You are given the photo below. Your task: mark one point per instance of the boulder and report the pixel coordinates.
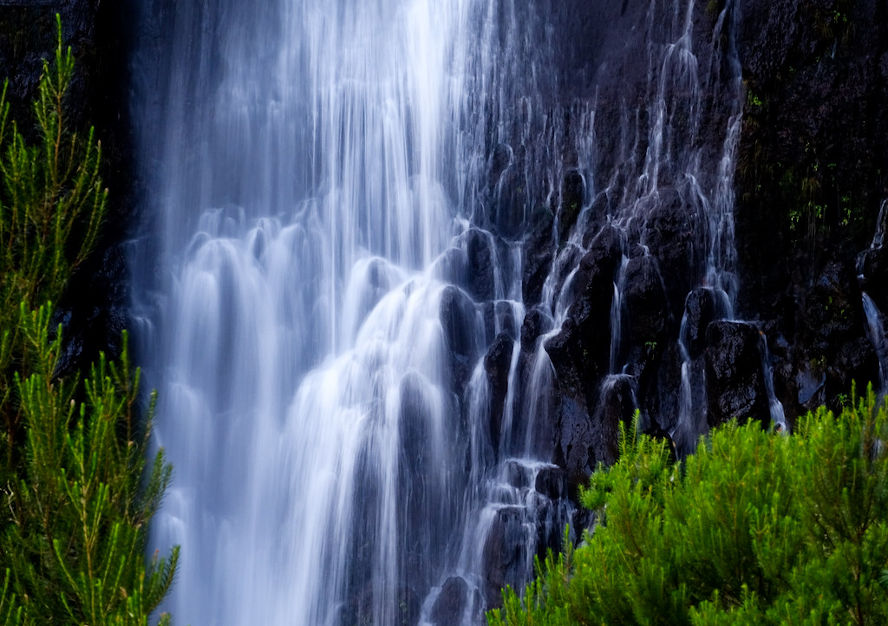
(734, 378)
(700, 309)
(450, 605)
(459, 322)
(617, 405)
(479, 265)
(551, 482)
(669, 235)
(504, 553)
(645, 306)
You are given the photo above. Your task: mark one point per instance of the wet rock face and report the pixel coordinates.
(452, 601)
(669, 233)
(700, 310)
(809, 182)
(735, 382)
(457, 314)
(497, 364)
(538, 253)
(573, 192)
(645, 302)
(504, 553)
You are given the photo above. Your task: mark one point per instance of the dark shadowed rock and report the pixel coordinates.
(458, 321)
(499, 161)
(479, 265)
(583, 345)
(700, 310)
(735, 383)
(575, 440)
(644, 300)
(452, 267)
(856, 362)
(503, 552)
(551, 482)
(669, 234)
(538, 253)
(536, 322)
(573, 192)
(616, 406)
(517, 474)
(509, 202)
(450, 605)
(497, 363)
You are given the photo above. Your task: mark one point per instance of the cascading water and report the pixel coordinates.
(874, 318)
(317, 173)
(358, 387)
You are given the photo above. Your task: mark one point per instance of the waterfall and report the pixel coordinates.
(345, 213)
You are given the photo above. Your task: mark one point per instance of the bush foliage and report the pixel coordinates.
(754, 528)
(76, 493)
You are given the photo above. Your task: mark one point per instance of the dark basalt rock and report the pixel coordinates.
(452, 267)
(509, 202)
(644, 302)
(538, 253)
(575, 439)
(617, 405)
(458, 319)
(503, 553)
(480, 265)
(735, 383)
(551, 482)
(584, 339)
(669, 234)
(500, 159)
(536, 322)
(451, 603)
(855, 362)
(497, 363)
(573, 192)
(700, 309)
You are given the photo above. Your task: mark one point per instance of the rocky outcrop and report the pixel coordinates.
(809, 180)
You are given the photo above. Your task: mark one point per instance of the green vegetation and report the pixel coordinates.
(754, 528)
(76, 496)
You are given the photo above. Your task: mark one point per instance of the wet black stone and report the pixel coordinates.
(700, 310)
(617, 405)
(551, 482)
(450, 605)
(479, 265)
(573, 191)
(735, 383)
(458, 319)
(536, 322)
(645, 305)
(503, 553)
(538, 253)
(497, 363)
(669, 234)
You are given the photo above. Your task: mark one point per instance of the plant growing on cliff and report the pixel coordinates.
(76, 496)
(753, 528)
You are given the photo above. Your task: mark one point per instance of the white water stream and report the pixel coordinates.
(327, 262)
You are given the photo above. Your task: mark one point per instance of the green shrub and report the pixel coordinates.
(76, 493)
(754, 528)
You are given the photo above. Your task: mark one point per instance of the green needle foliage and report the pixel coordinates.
(75, 493)
(755, 528)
